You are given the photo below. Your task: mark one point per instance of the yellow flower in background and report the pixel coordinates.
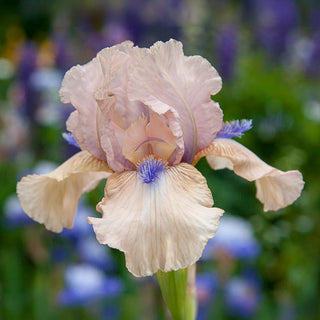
(143, 118)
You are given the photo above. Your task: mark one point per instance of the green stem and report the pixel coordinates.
(179, 292)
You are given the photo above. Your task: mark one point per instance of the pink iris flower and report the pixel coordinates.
(143, 118)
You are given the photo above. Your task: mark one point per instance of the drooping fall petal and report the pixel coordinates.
(168, 81)
(161, 225)
(275, 189)
(52, 198)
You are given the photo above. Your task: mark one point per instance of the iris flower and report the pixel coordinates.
(143, 118)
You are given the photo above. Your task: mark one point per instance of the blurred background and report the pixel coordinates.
(260, 265)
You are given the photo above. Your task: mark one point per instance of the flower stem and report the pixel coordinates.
(173, 287)
(179, 292)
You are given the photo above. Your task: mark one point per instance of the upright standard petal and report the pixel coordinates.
(112, 99)
(77, 88)
(111, 130)
(160, 224)
(52, 198)
(169, 81)
(275, 189)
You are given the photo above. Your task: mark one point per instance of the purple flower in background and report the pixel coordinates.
(27, 64)
(276, 21)
(313, 62)
(149, 21)
(85, 283)
(227, 48)
(243, 295)
(25, 69)
(235, 237)
(65, 55)
(314, 16)
(116, 32)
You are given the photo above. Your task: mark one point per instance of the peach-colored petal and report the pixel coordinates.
(163, 225)
(52, 198)
(169, 81)
(115, 86)
(111, 131)
(275, 189)
(112, 59)
(77, 88)
(145, 134)
(129, 110)
(279, 189)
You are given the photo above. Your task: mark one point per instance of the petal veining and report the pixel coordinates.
(52, 198)
(275, 189)
(163, 225)
(148, 133)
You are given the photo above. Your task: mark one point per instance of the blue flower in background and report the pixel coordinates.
(14, 216)
(80, 228)
(207, 285)
(42, 167)
(92, 252)
(85, 283)
(235, 237)
(243, 295)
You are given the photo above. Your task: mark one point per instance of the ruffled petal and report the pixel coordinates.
(112, 59)
(52, 198)
(77, 88)
(162, 225)
(111, 131)
(169, 81)
(275, 189)
(112, 99)
(278, 189)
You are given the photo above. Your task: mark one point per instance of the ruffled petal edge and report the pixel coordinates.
(163, 225)
(52, 199)
(276, 189)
